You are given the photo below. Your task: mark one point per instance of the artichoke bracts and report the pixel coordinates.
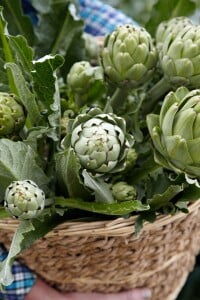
(100, 141)
(82, 75)
(24, 199)
(128, 56)
(171, 27)
(12, 117)
(180, 55)
(176, 132)
(85, 82)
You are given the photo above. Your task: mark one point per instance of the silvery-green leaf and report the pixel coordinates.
(115, 209)
(99, 187)
(18, 161)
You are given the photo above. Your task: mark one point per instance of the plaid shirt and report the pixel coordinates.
(23, 280)
(99, 19)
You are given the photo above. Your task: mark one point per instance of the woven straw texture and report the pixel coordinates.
(106, 256)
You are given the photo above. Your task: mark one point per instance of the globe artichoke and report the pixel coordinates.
(12, 117)
(128, 56)
(122, 191)
(82, 75)
(176, 132)
(171, 27)
(24, 199)
(179, 58)
(100, 141)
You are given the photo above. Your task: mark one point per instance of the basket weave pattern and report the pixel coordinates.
(106, 256)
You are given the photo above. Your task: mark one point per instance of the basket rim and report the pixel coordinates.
(117, 227)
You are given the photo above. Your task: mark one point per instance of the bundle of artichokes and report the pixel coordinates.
(93, 136)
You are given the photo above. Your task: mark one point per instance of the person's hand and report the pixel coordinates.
(137, 294)
(42, 291)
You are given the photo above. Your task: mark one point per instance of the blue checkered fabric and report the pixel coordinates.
(101, 18)
(23, 280)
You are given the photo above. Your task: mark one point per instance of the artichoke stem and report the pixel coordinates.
(80, 100)
(155, 93)
(8, 58)
(118, 98)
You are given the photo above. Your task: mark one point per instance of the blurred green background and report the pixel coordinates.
(148, 13)
(141, 10)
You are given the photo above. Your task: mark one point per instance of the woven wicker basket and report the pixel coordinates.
(106, 256)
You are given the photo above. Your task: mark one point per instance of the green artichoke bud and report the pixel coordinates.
(82, 75)
(12, 117)
(122, 191)
(131, 158)
(129, 56)
(171, 27)
(100, 141)
(180, 55)
(176, 132)
(24, 199)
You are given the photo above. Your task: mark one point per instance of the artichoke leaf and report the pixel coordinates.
(100, 188)
(68, 174)
(6, 276)
(161, 200)
(113, 209)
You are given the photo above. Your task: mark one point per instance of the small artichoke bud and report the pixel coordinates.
(122, 191)
(131, 158)
(100, 141)
(82, 75)
(128, 57)
(171, 27)
(24, 199)
(12, 117)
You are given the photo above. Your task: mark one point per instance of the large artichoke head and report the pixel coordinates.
(176, 132)
(180, 55)
(24, 199)
(170, 27)
(100, 141)
(128, 56)
(12, 117)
